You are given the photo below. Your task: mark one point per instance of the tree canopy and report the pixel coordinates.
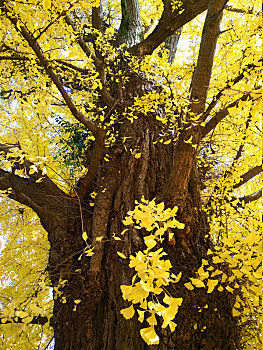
(67, 88)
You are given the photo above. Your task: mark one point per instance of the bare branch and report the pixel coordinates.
(72, 66)
(238, 10)
(14, 186)
(202, 74)
(37, 192)
(97, 18)
(184, 156)
(171, 44)
(14, 58)
(249, 175)
(251, 197)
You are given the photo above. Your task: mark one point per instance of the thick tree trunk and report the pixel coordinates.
(204, 320)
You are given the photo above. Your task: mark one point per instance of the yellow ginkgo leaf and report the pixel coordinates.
(189, 140)
(189, 286)
(128, 312)
(149, 335)
(84, 235)
(35, 308)
(141, 315)
(46, 4)
(121, 255)
(198, 283)
(211, 285)
(21, 314)
(235, 312)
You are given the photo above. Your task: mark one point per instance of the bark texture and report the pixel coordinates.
(97, 322)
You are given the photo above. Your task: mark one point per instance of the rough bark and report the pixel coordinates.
(130, 31)
(97, 322)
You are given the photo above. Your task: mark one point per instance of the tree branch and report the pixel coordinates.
(47, 67)
(238, 10)
(230, 84)
(19, 162)
(37, 192)
(203, 71)
(171, 44)
(130, 31)
(248, 175)
(97, 18)
(241, 146)
(108, 99)
(94, 163)
(72, 66)
(14, 58)
(40, 320)
(184, 156)
(251, 197)
(219, 116)
(170, 21)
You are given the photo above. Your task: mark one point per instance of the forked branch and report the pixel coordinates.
(171, 20)
(108, 99)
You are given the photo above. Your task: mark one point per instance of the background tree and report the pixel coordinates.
(107, 107)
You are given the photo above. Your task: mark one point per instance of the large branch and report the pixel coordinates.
(130, 31)
(171, 44)
(249, 175)
(170, 21)
(184, 156)
(41, 197)
(37, 191)
(203, 71)
(47, 67)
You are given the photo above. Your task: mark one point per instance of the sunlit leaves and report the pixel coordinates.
(149, 335)
(152, 270)
(128, 312)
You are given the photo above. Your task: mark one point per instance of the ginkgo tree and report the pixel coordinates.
(130, 174)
